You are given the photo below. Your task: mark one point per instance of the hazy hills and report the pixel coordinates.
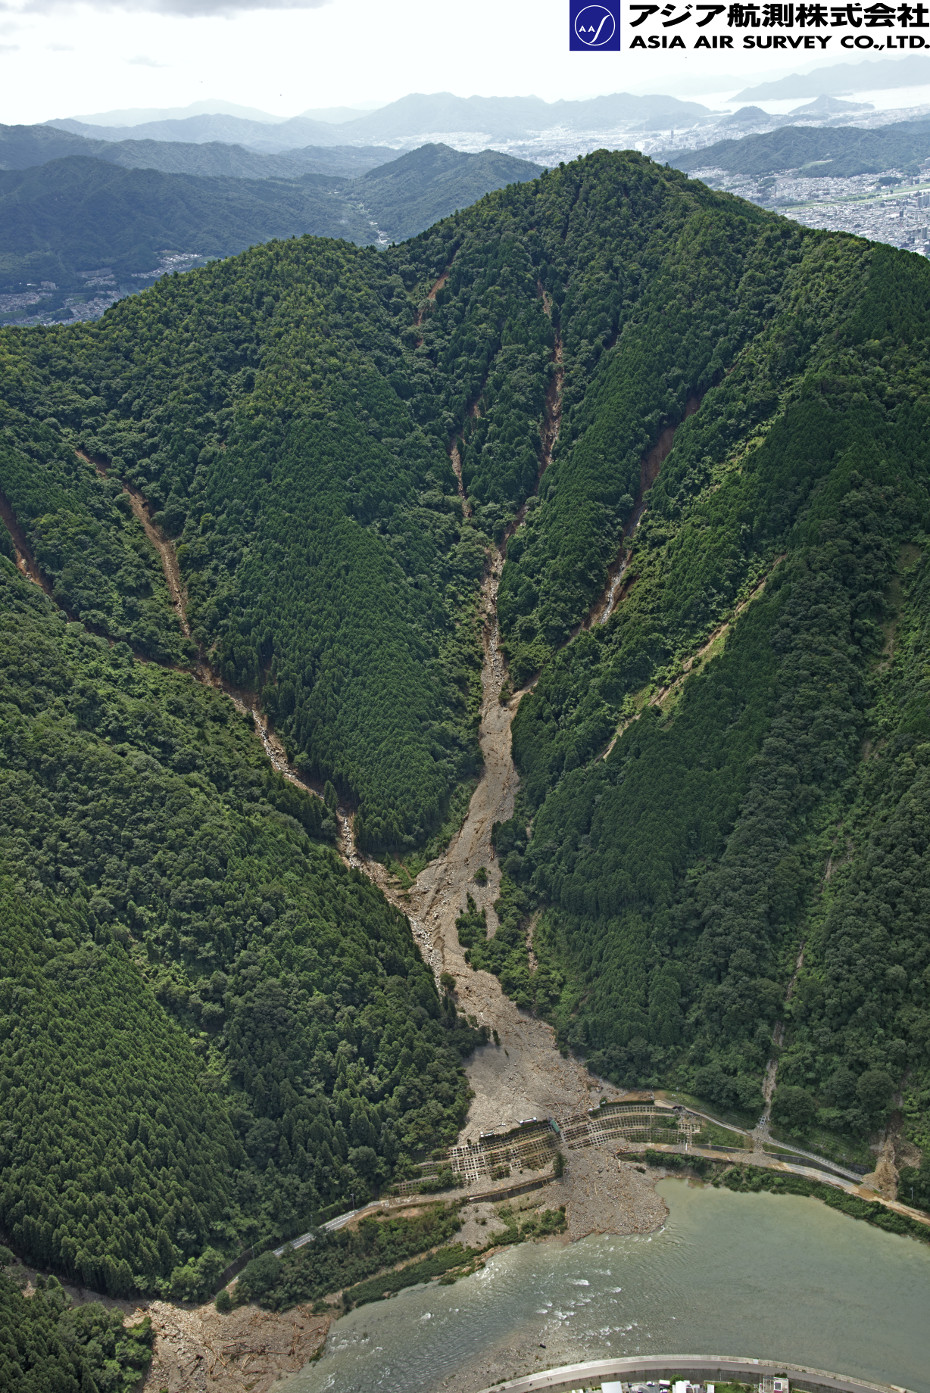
(410, 119)
(231, 130)
(837, 150)
(841, 78)
(22, 147)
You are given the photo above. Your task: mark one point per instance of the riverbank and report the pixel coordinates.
(198, 1350)
(779, 1277)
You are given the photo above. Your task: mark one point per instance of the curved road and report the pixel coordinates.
(699, 1367)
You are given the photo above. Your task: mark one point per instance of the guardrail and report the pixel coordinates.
(695, 1367)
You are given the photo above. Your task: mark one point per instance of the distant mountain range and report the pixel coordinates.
(22, 147)
(869, 75)
(409, 120)
(65, 219)
(257, 135)
(841, 151)
(134, 115)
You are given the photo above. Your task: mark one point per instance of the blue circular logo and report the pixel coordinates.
(594, 26)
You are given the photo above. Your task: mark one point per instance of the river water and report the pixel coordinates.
(771, 1276)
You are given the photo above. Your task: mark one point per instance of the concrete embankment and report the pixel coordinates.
(697, 1368)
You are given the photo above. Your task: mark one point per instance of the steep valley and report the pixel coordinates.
(601, 507)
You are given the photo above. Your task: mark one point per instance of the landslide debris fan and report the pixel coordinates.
(745, 863)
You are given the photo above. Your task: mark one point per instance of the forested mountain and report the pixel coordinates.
(210, 1028)
(418, 189)
(74, 215)
(719, 581)
(839, 151)
(65, 219)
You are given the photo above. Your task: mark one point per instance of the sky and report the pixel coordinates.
(74, 57)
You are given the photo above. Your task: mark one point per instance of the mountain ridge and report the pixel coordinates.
(66, 218)
(418, 114)
(839, 151)
(343, 445)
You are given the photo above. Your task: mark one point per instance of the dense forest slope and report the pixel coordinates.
(47, 1344)
(73, 215)
(701, 433)
(210, 1026)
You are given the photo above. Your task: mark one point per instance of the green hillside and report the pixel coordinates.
(413, 192)
(723, 815)
(73, 215)
(211, 1029)
(47, 1343)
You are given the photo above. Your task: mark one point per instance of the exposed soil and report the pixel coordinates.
(246, 1351)
(602, 1193)
(649, 467)
(164, 549)
(431, 295)
(456, 459)
(25, 561)
(893, 1152)
(525, 1076)
(761, 1133)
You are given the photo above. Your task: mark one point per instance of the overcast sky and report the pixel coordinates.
(67, 57)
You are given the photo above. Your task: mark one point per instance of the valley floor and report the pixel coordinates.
(523, 1075)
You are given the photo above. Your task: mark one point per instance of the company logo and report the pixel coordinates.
(594, 26)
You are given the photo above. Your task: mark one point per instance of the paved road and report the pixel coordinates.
(762, 1135)
(698, 1367)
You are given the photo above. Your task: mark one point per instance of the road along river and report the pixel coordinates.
(777, 1277)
